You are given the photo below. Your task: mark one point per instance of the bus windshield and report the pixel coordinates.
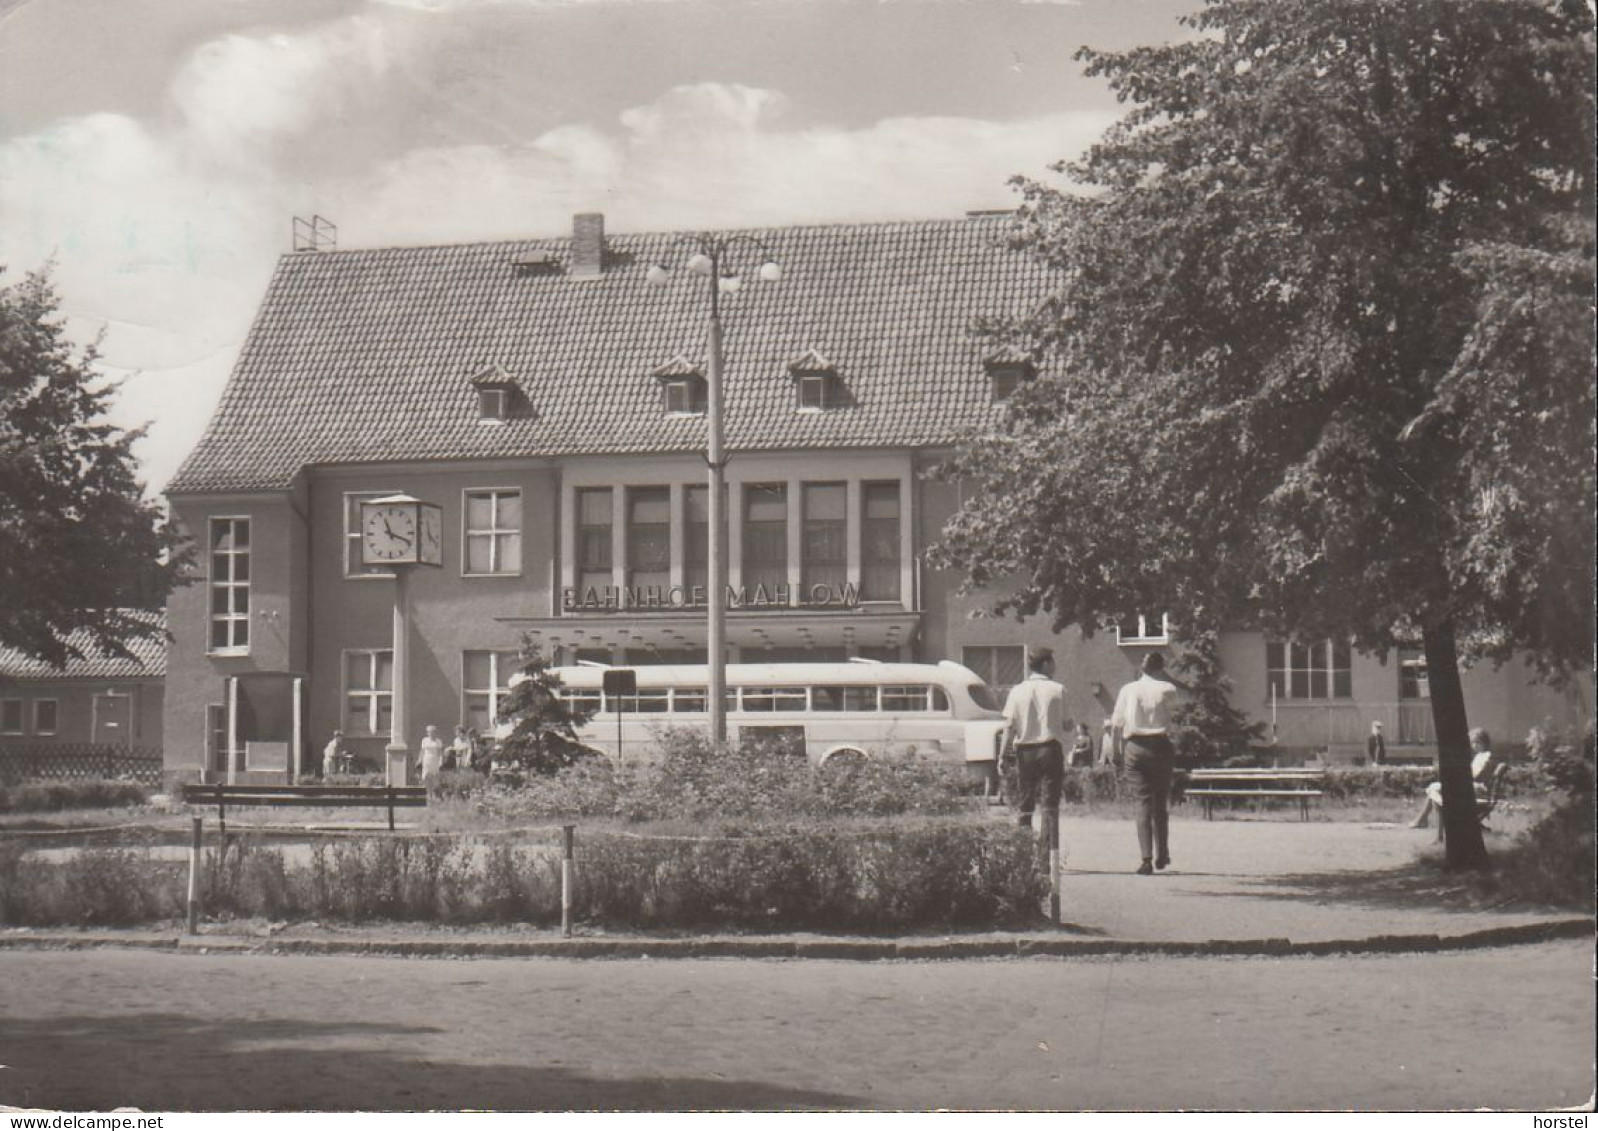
(982, 695)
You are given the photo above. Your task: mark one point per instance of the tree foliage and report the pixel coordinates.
(1320, 357)
(80, 548)
(543, 738)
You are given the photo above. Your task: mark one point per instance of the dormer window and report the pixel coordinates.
(496, 394)
(1007, 374)
(491, 404)
(812, 389)
(815, 382)
(684, 396)
(682, 387)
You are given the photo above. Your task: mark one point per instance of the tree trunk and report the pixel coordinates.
(1461, 829)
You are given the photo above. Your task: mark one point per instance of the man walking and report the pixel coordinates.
(1142, 722)
(1034, 734)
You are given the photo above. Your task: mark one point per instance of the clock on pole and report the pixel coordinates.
(397, 532)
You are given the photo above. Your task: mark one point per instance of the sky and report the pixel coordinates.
(155, 154)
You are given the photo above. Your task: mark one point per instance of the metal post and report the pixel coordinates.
(568, 835)
(716, 634)
(194, 878)
(1054, 869)
(397, 752)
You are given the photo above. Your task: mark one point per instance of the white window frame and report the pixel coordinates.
(500, 401)
(686, 388)
(493, 532)
(818, 381)
(373, 694)
(1144, 636)
(212, 584)
(498, 692)
(353, 570)
(6, 705)
(1326, 650)
(55, 726)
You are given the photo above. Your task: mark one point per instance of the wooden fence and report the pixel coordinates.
(77, 761)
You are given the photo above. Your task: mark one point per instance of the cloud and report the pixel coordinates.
(165, 232)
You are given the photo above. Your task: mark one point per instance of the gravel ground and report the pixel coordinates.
(1503, 1028)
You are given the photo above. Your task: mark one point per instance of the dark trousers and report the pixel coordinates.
(1149, 760)
(1039, 766)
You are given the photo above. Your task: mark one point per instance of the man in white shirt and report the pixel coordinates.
(1034, 735)
(1142, 721)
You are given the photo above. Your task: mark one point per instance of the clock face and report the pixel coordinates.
(388, 534)
(432, 544)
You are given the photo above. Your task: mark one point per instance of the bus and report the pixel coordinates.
(832, 712)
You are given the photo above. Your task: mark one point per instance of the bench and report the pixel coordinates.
(1213, 785)
(320, 796)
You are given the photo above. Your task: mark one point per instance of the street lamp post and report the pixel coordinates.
(708, 259)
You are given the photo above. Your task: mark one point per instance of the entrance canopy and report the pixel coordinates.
(752, 631)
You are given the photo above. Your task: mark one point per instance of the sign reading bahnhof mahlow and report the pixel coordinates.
(611, 598)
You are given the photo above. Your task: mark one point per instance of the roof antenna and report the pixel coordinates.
(316, 234)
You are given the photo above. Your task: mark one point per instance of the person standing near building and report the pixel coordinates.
(1082, 747)
(1142, 722)
(1376, 745)
(1107, 744)
(432, 752)
(334, 756)
(1034, 734)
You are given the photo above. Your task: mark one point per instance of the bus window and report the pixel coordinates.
(648, 701)
(940, 698)
(767, 699)
(582, 698)
(689, 699)
(843, 698)
(826, 698)
(904, 698)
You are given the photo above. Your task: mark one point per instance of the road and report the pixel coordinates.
(186, 1031)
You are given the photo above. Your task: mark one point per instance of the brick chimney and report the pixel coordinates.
(588, 245)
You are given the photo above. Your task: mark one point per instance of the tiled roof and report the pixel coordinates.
(149, 659)
(360, 356)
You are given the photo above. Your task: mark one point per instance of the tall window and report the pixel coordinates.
(1321, 670)
(493, 533)
(648, 537)
(1413, 682)
(352, 535)
(10, 716)
(879, 541)
(484, 684)
(593, 538)
(696, 538)
(765, 536)
(45, 712)
(1000, 666)
(230, 585)
(368, 692)
(826, 536)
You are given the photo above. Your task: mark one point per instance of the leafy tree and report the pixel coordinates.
(1321, 347)
(80, 548)
(1208, 727)
(544, 736)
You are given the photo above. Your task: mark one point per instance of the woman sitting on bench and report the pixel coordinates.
(1481, 765)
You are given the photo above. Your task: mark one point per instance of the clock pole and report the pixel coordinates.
(398, 753)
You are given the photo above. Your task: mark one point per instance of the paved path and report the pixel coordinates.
(1307, 881)
(1507, 1027)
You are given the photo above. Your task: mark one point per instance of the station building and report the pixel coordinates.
(552, 403)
